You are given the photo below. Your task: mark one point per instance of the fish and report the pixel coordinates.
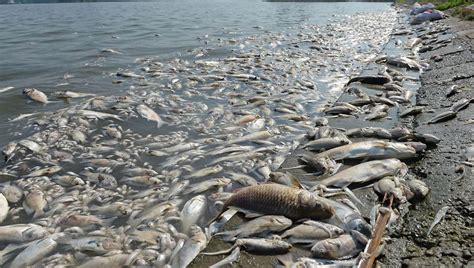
(3, 208)
(35, 252)
(442, 117)
(371, 79)
(146, 112)
(98, 115)
(366, 172)
(460, 105)
(205, 172)
(371, 150)
(36, 95)
(12, 193)
(191, 248)
(22, 233)
(264, 224)
(261, 135)
(259, 246)
(192, 212)
(66, 94)
(35, 202)
(326, 143)
(115, 260)
(412, 111)
(44, 172)
(342, 247)
(233, 256)
(438, 218)
(282, 200)
(241, 178)
(207, 185)
(369, 132)
(310, 231)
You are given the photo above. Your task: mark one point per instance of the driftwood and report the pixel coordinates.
(371, 251)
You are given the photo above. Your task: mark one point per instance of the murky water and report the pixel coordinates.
(41, 43)
(190, 97)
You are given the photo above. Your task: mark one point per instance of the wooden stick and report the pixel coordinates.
(379, 229)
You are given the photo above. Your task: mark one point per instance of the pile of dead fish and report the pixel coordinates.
(135, 179)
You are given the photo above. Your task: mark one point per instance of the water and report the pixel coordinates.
(40, 43)
(213, 71)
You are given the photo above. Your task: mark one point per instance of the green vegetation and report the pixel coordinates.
(450, 4)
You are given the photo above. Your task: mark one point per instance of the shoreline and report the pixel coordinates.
(406, 244)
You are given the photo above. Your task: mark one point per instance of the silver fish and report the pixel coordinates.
(149, 114)
(365, 172)
(264, 224)
(36, 95)
(371, 150)
(192, 212)
(344, 246)
(191, 248)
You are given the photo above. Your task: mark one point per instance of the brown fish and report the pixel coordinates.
(276, 199)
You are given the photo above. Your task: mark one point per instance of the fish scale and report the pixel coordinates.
(281, 200)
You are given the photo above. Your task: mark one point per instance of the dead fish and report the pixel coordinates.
(233, 256)
(192, 212)
(207, 185)
(412, 111)
(460, 105)
(342, 109)
(66, 94)
(369, 132)
(241, 178)
(371, 150)
(116, 260)
(320, 164)
(259, 246)
(12, 193)
(371, 79)
(191, 248)
(342, 247)
(31, 145)
(261, 135)
(21, 233)
(205, 172)
(9, 150)
(44, 172)
(98, 115)
(80, 220)
(141, 181)
(278, 199)
(129, 75)
(35, 202)
(326, 143)
(35, 252)
(3, 208)
(287, 179)
(150, 115)
(36, 95)
(310, 231)
(438, 218)
(264, 224)
(418, 188)
(365, 172)
(442, 117)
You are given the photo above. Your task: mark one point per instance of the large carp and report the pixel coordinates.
(276, 199)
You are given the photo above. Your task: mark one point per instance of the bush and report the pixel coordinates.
(450, 4)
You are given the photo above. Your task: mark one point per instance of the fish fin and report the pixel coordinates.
(351, 194)
(248, 213)
(295, 182)
(286, 259)
(295, 167)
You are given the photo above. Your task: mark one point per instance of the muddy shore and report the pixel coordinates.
(451, 241)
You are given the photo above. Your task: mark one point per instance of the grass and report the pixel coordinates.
(450, 4)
